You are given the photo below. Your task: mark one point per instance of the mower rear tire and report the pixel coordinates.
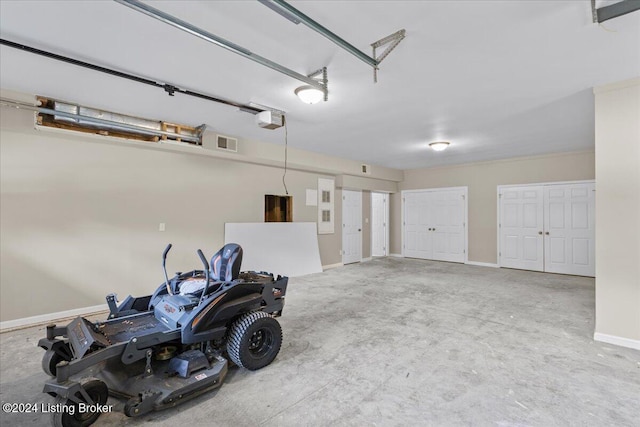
(254, 340)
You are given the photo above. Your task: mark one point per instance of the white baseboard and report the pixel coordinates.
(396, 255)
(366, 259)
(330, 266)
(621, 341)
(46, 318)
(482, 264)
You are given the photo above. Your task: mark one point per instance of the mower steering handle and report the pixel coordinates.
(203, 259)
(206, 275)
(166, 251)
(164, 269)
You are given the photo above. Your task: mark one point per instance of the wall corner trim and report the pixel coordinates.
(396, 255)
(482, 264)
(615, 340)
(26, 322)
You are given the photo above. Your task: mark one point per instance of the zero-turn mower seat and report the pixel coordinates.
(225, 267)
(225, 264)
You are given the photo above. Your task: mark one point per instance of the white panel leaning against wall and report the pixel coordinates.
(326, 190)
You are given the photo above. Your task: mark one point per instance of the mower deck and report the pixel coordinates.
(120, 330)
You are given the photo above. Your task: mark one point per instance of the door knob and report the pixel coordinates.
(433, 229)
(359, 229)
(540, 233)
(547, 233)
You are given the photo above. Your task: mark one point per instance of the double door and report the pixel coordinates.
(435, 224)
(548, 228)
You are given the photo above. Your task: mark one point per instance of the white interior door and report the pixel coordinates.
(435, 224)
(521, 227)
(570, 229)
(379, 221)
(418, 242)
(448, 208)
(351, 226)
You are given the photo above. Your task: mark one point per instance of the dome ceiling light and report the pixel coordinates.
(439, 145)
(309, 94)
(312, 94)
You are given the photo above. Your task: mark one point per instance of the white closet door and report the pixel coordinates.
(417, 215)
(570, 229)
(378, 224)
(434, 224)
(448, 224)
(351, 226)
(521, 227)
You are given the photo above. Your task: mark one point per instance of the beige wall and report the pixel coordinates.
(80, 214)
(617, 109)
(367, 183)
(482, 180)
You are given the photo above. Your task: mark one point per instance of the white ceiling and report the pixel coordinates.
(498, 79)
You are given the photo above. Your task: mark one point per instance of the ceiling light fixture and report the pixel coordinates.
(309, 94)
(439, 146)
(312, 94)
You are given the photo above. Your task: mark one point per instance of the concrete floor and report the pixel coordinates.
(404, 342)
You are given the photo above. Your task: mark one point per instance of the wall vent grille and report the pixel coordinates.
(227, 143)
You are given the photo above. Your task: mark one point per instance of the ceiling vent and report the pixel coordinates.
(226, 143)
(365, 169)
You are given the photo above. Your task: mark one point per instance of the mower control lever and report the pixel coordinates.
(166, 251)
(164, 268)
(205, 264)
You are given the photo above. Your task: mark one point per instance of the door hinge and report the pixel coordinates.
(499, 253)
(344, 198)
(463, 197)
(464, 252)
(499, 195)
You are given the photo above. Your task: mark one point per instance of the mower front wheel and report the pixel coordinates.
(51, 359)
(68, 412)
(254, 340)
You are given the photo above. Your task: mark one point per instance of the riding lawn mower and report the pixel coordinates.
(163, 349)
